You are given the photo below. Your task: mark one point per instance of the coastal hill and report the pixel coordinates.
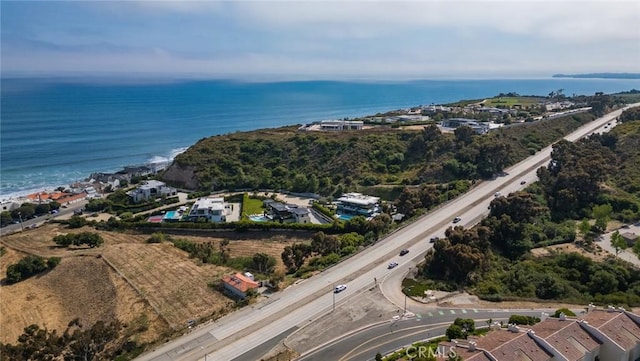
(600, 76)
(330, 163)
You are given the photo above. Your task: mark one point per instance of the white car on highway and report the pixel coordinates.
(340, 288)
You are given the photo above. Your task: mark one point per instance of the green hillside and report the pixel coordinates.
(334, 162)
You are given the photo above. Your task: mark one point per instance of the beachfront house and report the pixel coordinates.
(286, 213)
(211, 209)
(478, 127)
(239, 284)
(340, 125)
(358, 204)
(10, 205)
(151, 190)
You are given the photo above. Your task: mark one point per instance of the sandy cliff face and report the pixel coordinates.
(181, 176)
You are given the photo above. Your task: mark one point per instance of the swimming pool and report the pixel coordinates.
(258, 218)
(170, 214)
(345, 217)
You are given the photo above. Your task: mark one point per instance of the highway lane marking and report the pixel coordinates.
(464, 311)
(349, 355)
(453, 312)
(430, 314)
(475, 311)
(441, 313)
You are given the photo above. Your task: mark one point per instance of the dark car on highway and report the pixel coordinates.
(404, 251)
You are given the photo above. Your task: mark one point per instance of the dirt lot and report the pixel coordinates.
(83, 287)
(598, 255)
(153, 288)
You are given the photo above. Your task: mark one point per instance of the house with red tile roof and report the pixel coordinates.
(611, 334)
(238, 285)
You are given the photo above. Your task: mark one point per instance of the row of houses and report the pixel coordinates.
(61, 197)
(611, 334)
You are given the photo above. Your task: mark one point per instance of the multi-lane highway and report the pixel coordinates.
(236, 335)
(385, 337)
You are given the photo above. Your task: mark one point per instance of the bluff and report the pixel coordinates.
(330, 163)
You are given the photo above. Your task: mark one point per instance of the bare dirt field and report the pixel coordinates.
(83, 287)
(171, 282)
(153, 288)
(598, 255)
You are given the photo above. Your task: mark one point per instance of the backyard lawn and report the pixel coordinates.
(251, 206)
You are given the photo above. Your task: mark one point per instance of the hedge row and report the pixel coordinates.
(237, 226)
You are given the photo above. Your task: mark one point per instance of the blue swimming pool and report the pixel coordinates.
(259, 218)
(170, 214)
(345, 217)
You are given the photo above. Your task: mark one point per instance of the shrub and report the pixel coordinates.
(524, 320)
(566, 311)
(77, 222)
(157, 237)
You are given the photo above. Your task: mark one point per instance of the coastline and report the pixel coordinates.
(124, 124)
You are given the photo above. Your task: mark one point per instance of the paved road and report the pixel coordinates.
(38, 221)
(627, 254)
(246, 329)
(385, 337)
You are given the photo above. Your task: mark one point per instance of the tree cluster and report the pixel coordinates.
(30, 266)
(413, 199)
(76, 343)
(461, 328)
(326, 250)
(91, 239)
(510, 223)
(572, 179)
(461, 257)
(565, 276)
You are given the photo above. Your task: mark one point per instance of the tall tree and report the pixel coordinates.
(618, 242)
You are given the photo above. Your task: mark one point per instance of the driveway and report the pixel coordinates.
(627, 254)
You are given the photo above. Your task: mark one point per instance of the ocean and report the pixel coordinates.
(56, 131)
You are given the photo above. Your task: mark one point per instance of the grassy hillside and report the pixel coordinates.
(333, 162)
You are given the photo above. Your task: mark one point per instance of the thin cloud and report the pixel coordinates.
(321, 39)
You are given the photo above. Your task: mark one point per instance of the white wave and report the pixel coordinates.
(176, 151)
(166, 159)
(158, 159)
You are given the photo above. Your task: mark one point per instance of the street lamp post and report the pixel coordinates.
(334, 298)
(20, 216)
(408, 289)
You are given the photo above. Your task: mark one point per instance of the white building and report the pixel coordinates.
(340, 125)
(151, 190)
(211, 209)
(478, 127)
(358, 204)
(9, 205)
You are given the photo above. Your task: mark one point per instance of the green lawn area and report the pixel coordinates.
(511, 101)
(251, 206)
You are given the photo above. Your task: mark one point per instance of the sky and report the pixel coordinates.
(328, 39)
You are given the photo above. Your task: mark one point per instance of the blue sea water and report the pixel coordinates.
(56, 131)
